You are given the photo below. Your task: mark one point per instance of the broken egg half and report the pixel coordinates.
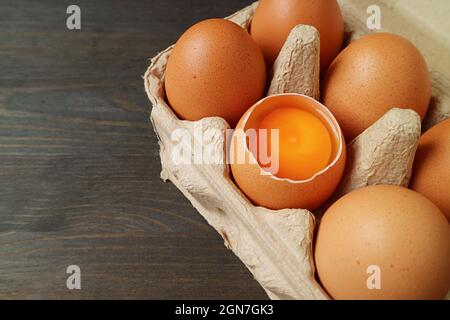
(287, 151)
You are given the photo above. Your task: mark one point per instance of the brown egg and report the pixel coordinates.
(274, 20)
(384, 242)
(262, 186)
(215, 69)
(431, 172)
(373, 75)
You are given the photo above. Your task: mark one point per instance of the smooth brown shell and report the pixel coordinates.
(215, 70)
(274, 20)
(431, 171)
(393, 228)
(373, 75)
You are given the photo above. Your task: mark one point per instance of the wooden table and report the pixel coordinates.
(79, 165)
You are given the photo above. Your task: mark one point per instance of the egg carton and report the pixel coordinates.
(276, 246)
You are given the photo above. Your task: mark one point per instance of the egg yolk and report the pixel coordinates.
(304, 143)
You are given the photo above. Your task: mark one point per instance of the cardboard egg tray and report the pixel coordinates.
(276, 246)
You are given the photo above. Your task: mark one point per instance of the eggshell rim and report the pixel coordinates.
(322, 108)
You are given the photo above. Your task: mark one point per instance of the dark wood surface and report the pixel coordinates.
(79, 165)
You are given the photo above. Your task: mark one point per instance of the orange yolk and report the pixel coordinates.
(304, 144)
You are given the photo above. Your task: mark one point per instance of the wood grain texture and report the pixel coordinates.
(79, 164)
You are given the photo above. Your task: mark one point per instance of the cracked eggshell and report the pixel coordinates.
(264, 189)
(431, 171)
